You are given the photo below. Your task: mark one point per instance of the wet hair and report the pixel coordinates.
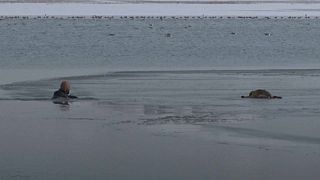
(65, 86)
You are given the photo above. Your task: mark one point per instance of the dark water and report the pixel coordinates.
(159, 99)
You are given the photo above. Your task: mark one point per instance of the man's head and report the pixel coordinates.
(65, 86)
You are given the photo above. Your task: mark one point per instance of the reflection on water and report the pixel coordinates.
(63, 106)
(61, 101)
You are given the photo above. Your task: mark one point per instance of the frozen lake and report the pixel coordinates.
(159, 99)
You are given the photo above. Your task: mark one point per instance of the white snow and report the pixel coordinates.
(153, 9)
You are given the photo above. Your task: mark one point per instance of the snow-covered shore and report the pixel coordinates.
(153, 9)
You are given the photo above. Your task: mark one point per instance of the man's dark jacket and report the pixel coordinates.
(62, 94)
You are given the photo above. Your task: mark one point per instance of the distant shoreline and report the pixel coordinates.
(156, 17)
(161, 10)
(162, 1)
(224, 2)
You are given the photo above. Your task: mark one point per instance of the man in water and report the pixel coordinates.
(64, 91)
